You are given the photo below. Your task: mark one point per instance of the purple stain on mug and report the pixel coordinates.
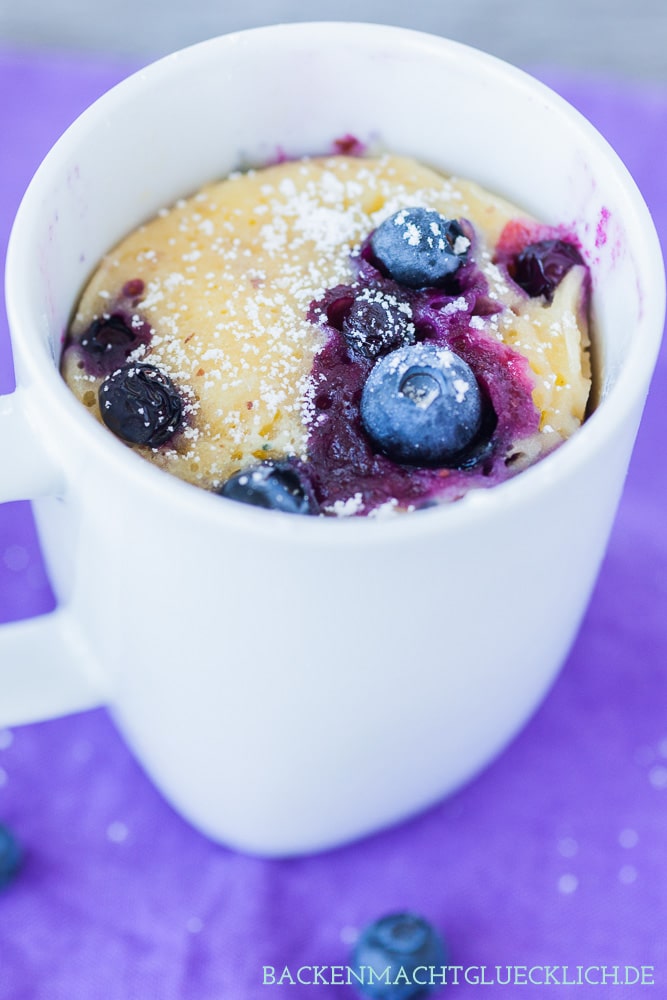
(602, 228)
(349, 145)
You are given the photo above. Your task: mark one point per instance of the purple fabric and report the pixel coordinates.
(555, 855)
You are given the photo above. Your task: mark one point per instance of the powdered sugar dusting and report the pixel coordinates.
(228, 278)
(228, 297)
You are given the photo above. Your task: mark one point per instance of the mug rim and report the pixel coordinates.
(628, 389)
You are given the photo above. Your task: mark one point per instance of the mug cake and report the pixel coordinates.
(341, 335)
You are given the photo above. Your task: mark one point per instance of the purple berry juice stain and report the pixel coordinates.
(602, 228)
(342, 463)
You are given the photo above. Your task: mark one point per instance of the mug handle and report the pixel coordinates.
(45, 668)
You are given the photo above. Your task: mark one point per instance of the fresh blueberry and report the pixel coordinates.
(419, 248)
(421, 405)
(11, 856)
(540, 267)
(141, 405)
(408, 947)
(377, 324)
(109, 335)
(272, 485)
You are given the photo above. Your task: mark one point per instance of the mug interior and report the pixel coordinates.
(290, 90)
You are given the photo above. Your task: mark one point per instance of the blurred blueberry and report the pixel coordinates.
(408, 947)
(11, 856)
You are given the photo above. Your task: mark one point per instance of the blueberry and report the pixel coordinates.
(540, 267)
(408, 947)
(272, 485)
(421, 405)
(140, 404)
(109, 335)
(419, 247)
(11, 856)
(377, 324)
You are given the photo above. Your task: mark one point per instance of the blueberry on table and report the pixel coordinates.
(421, 406)
(272, 485)
(377, 324)
(408, 947)
(11, 856)
(141, 405)
(540, 267)
(419, 248)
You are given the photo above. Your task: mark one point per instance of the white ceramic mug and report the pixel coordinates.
(292, 683)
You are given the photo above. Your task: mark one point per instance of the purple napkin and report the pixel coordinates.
(556, 856)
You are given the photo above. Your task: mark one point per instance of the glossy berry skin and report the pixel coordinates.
(272, 485)
(419, 248)
(540, 267)
(421, 406)
(109, 335)
(401, 941)
(377, 324)
(11, 856)
(141, 405)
